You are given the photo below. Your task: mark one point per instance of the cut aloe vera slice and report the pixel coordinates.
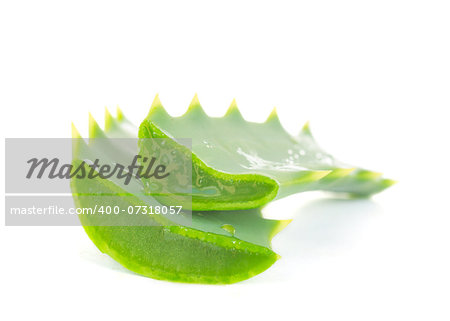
(218, 247)
(239, 165)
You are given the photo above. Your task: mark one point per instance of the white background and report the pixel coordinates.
(373, 77)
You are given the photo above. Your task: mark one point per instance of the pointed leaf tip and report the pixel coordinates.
(156, 102)
(279, 227)
(369, 175)
(340, 173)
(273, 116)
(109, 120)
(318, 175)
(94, 128)
(76, 140)
(306, 129)
(120, 115)
(195, 107)
(157, 107)
(75, 132)
(195, 100)
(388, 182)
(92, 125)
(233, 110)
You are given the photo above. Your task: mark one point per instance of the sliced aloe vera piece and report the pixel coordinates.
(219, 247)
(238, 164)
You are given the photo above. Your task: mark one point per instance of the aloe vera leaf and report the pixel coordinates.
(219, 247)
(238, 164)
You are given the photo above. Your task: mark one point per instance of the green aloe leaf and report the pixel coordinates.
(239, 165)
(219, 247)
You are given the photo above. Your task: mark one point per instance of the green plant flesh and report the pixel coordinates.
(239, 165)
(236, 167)
(219, 247)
